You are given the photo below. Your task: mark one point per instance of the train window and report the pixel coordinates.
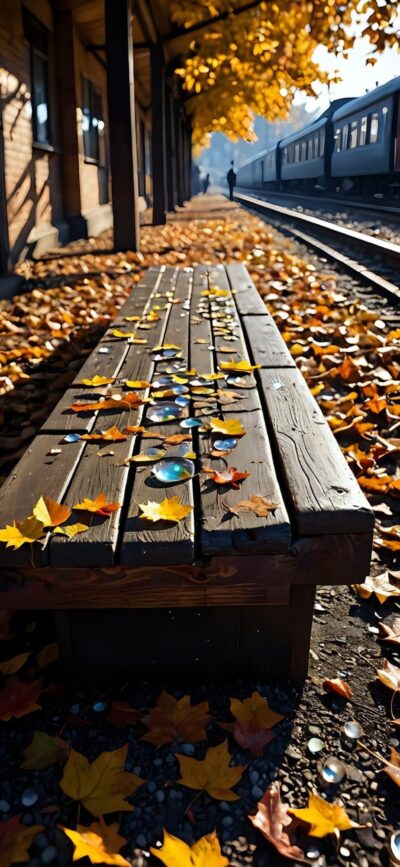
(303, 151)
(345, 136)
(316, 145)
(353, 133)
(338, 139)
(374, 128)
(297, 153)
(321, 142)
(363, 131)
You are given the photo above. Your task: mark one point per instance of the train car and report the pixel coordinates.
(261, 171)
(304, 154)
(366, 152)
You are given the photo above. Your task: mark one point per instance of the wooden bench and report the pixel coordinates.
(215, 591)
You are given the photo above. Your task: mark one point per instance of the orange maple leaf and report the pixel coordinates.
(231, 476)
(99, 505)
(172, 719)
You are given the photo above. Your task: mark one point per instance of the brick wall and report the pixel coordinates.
(32, 176)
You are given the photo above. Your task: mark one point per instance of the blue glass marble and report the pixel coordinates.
(163, 412)
(395, 846)
(190, 422)
(225, 445)
(182, 401)
(162, 381)
(72, 438)
(99, 706)
(172, 470)
(333, 770)
(180, 389)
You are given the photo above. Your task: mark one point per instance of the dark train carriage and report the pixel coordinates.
(303, 154)
(260, 171)
(367, 138)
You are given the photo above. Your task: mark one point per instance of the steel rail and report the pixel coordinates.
(384, 249)
(326, 200)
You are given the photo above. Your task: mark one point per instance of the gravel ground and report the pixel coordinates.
(344, 644)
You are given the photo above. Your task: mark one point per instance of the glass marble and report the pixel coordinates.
(104, 350)
(353, 730)
(182, 401)
(240, 381)
(163, 412)
(333, 770)
(29, 797)
(199, 382)
(99, 706)
(173, 470)
(190, 422)
(180, 389)
(225, 445)
(395, 846)
(312, 852)
(162, 381)
(166, 354)
(72, 438)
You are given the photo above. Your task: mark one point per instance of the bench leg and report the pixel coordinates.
(302, 597)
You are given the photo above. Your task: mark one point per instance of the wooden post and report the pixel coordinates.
(179, 156)
(121, 112)
(188, 142)
(170, 151)
(4, 243)
(67, 99)
(302, 597)
(158, 137)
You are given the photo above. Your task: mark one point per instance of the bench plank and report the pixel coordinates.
(38, 473)
(142, 541)
(248, 300)
(322, 488)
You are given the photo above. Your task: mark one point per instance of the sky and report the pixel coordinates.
(357, 77)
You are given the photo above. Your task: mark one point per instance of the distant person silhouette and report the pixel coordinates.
(231, 178)
(206, 183)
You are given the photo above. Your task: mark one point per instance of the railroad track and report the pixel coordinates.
(333, 201)
(374, 261)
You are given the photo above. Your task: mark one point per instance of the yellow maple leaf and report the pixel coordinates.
(137, 383)
(118, 333)
(162, 346)
(98, 380)
(176, 719)
(71, 530)
(44, 750)
(21, 532)
(101, 786)
(323, 817)
(239, 366)
(11, 666)
(50, 513)
(231, 426)
(206, 852)
(213, 774)
(99, 505)
(255, 709)
(132, 318)
(15, 840)
(170, 509)
(100, 843)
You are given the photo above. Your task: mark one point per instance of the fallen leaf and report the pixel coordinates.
(206, 852)
(128, 401)
(98, 380)
(324, 817)
(18, 698)
(100, 786)
(273, 820)
(44, 750)
(259, 505)
(22, 532)
(170, 509)
(231, 427)
(339, 686)
(48, 654)
(112, 434)
(50, 513)
(99, 505)
(72, 530)
(213, 774)
(389, 675)
(15, 840)
(382, 585)
(176, 439)
(392, 769)
(100, 843)
(11, 666)
(231, 476)
(176, 719)
(121, 714)
(253, 724)
(138, 383)
(238, 366)
(390, 634)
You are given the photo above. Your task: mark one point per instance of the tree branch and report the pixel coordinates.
(184, 31)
